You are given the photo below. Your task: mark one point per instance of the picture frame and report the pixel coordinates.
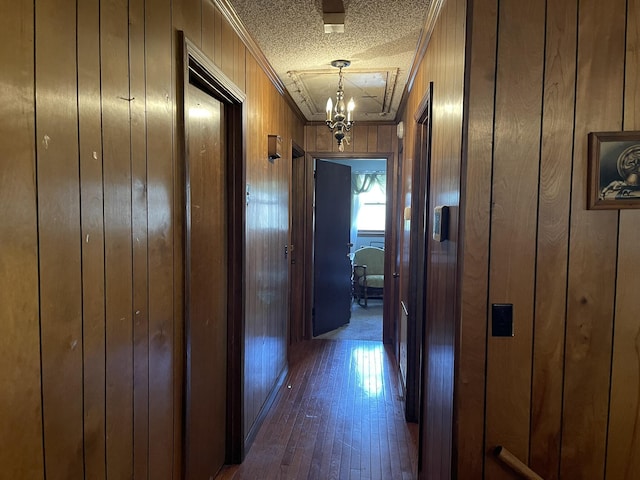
(614, 170)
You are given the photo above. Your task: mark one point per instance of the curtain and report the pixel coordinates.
(362, 183)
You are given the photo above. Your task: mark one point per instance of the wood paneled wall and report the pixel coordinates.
(365, 138)
(91, 226)
(443, 64)
(562, 393)
(267, 229)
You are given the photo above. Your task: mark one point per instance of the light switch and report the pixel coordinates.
(502, 320)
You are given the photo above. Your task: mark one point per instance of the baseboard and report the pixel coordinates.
(255, 428)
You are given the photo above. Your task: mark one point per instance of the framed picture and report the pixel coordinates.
(614, 170)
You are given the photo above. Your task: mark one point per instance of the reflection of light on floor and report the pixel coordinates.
(368, 363)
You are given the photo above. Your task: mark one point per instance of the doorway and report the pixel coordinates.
(413, 285)
(211, 115)
(377, 237)
(206, 290)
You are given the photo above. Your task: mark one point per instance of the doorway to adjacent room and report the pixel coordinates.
(349, 248)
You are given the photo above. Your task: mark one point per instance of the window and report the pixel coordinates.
(371, 214)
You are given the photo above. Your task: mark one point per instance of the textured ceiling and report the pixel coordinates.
(380, 39)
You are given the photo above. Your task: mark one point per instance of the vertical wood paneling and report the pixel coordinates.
(623, 454)
(190, 19)
(324, 139)
(116, 98)
(386, 134)
(92, 238)
(267, 233)
(583, 253)
(217, 38)
(632, 68)
(208, 29)
(139, 239)
(160, 254)
(359, 134)
(240, 53)
(21, 454)
(470, 401)
(249, 329)
(251, 374)
(364, 139)
(59, 239)
(553, 236)
(101, 219)
(592, 247)
(443, 66)
(227, 60)
(372, 138)
(513, 224)
(440, 338)
(310, 139)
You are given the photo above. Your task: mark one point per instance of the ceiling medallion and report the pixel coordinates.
(339, 118)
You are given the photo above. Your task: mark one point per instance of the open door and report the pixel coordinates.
(332, 265)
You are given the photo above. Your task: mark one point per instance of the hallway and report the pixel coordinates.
(338, 415)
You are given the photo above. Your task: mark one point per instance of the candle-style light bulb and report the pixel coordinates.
(329, 108)
(350, 108)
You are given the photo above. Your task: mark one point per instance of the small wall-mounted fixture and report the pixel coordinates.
(400, 130)
(440, 223)
(275, 147)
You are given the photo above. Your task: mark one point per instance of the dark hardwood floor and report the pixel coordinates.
(338, 416)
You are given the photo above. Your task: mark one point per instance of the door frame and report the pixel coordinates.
(195, 65)
(297, 269)
(418, 247)
(308, 247)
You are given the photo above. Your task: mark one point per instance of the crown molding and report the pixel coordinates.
(231, 16)
(421, 50)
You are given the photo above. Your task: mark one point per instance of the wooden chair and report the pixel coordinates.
(368, 274)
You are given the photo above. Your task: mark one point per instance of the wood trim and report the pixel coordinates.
(296, 150)
(236, 179)
(229, 13)
(419, 239)
(297, 240)
(308, 246)
(224, 89)
(421, 50)
(271, 398)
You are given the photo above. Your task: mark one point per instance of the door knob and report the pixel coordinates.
(396, 274)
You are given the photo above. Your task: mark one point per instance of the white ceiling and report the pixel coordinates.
(380, 39)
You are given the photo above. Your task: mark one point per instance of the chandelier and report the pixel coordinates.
(339, 118)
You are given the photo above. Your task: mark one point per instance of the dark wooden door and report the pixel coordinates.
(206, 287)
(332, 266)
